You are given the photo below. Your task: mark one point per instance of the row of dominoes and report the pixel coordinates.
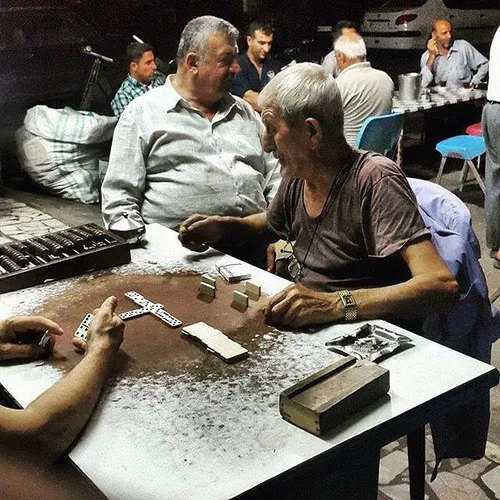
(207, 286)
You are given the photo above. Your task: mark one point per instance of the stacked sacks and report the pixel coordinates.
(60, 150)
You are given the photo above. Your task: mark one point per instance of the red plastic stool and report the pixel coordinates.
(474, 129)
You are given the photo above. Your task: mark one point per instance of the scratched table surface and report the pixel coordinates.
(177, 422)
(438, 96)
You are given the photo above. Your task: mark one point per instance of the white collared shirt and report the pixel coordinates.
(168, 161)
(494, 77)
(456, 68)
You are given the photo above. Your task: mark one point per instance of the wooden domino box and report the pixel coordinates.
(326, 398)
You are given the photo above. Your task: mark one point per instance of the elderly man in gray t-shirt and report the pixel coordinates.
(356, 257)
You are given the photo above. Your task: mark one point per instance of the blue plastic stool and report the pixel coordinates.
(465, 147)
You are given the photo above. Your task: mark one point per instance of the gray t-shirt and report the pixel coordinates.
(371, 215)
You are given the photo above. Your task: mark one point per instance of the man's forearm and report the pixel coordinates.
(427, 76)
(50, 424)
(416, 298)
(247, 228)
(481, 73)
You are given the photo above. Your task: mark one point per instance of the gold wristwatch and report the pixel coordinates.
(350, 307)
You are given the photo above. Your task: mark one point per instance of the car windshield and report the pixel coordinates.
(404, 4)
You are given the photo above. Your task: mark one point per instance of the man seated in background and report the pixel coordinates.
(47, 427)
(256, 65)
(451, 62)
(364, 91)
(341, 28)
(189, 145)
(354, 256)
(141, 76)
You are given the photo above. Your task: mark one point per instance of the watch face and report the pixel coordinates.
(347, 299)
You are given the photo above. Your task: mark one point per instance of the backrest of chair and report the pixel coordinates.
(380, 133)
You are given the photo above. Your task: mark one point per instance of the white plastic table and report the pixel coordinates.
(179, 437)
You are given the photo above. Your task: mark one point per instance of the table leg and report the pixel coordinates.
(416, 462)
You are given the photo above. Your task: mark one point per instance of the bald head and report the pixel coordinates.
(441, 32)
(439, 23)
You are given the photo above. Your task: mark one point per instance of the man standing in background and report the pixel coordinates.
(491, 131)
(257, 66)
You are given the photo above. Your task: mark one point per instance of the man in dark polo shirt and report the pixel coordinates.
(257, 67)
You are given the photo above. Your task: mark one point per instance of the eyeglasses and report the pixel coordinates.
(284, 253)
(294, 268)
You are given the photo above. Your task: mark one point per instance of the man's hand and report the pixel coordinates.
(105, 331)
(271, 258)
(199, 231)
(432, 47)
(297, 306)
(11, 337)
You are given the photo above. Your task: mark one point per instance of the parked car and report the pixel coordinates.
(406, 24)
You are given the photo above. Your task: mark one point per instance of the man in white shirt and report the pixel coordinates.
(491, 131)
(451, 62)
(365, 91)
(329, 63)
(189, 146)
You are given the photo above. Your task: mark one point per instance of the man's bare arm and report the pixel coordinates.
(431, 288)
(199, 231)
(50, 424)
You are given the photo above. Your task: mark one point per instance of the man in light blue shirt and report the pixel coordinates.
(451, 62)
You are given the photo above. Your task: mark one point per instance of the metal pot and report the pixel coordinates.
(409, 86)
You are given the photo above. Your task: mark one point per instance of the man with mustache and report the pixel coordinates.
(451, 62)
(189, 145)
(142, 76)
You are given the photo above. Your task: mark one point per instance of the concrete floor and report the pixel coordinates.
(458, 479)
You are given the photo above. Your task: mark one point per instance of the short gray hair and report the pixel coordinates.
(196, 33)
(305, 90)
(351, 45)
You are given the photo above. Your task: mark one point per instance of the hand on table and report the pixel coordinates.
(14, 328)
(105, 332)
(198, 231)
(297, 306)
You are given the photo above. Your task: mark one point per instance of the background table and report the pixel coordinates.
(443, 97)
(181, 436)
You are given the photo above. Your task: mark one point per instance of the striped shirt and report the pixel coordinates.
(130, 89)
